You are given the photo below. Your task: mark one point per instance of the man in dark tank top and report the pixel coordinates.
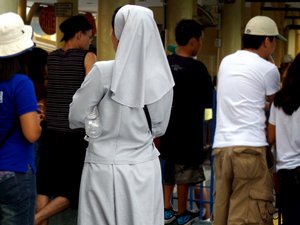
(63, 149)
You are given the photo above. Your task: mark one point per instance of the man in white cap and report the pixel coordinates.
(246, 81)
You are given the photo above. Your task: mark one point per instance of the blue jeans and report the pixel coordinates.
(17, 199)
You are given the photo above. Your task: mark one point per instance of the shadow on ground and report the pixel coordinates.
(198, 222)
(69, 217)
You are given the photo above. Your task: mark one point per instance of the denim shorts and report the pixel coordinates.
(17, 199)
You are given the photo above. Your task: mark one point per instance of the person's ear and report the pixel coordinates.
(192, 41)
(78, 35)
(267, 41)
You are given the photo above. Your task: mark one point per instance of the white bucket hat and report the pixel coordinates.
(263, 26)
(15, 37)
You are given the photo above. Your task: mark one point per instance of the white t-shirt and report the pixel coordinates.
(244, 81)
(287, 138)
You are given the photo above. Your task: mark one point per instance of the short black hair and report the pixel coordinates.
(36, 65)
(254, 41)
(187, 29)
(74, 24)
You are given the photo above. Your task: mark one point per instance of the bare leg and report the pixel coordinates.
(168, 191)
(205, 198)
(51, 208)
(182, 192)
(41, 202)
(206, 205)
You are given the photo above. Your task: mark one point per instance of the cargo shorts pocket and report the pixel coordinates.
(247, 163)
(261, 208)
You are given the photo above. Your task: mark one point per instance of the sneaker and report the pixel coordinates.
(187, 218)
(169, 215)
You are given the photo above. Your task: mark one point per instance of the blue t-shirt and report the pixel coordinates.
(17, 97)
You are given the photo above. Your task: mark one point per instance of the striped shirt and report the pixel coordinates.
(66, 72)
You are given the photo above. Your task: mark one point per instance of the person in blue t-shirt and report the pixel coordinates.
(19, 124)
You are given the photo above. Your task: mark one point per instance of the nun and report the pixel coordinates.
(132, 94)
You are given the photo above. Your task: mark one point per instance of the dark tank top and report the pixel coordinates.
(66, 72)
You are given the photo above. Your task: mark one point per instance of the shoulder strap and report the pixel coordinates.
(148, 117)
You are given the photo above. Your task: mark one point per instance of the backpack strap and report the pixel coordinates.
(148, 117)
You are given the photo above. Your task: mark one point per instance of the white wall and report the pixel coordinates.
(8, 6)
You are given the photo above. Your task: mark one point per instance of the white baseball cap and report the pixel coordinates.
(15, 36)
(263, 26)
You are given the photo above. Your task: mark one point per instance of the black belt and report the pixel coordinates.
(291, 171)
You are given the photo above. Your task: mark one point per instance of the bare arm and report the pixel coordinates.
(271, 134)
(89, 61)
(30, 125)
(271, 127)
(270, 98)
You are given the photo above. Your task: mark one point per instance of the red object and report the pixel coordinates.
(157, 142)
(91, 19)
(47, 20)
